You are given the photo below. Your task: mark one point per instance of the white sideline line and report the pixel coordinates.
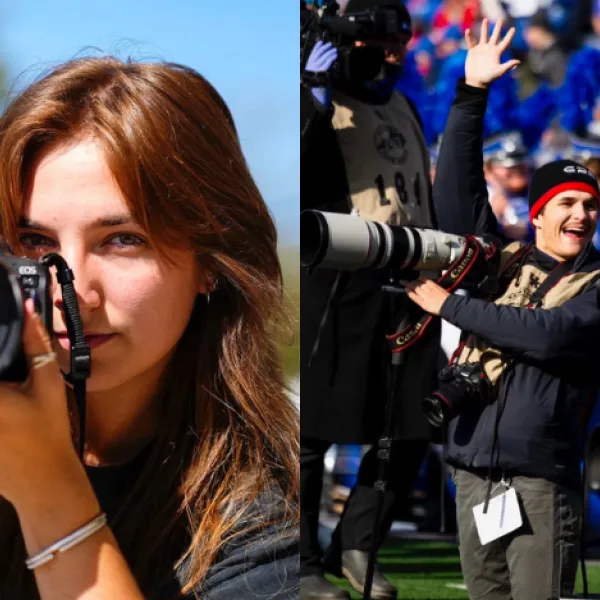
(457, 586)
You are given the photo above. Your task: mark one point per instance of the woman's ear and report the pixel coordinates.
(208, 282)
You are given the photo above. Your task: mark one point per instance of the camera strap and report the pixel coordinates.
(450, 280)
(559, 271)
(508, 271)
(81, 361)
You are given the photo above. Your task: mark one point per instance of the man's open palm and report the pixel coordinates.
(483, 59)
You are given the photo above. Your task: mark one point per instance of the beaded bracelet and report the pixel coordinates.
(78, 536)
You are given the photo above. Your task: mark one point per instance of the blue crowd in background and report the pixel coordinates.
(549, 108)
(429, 76)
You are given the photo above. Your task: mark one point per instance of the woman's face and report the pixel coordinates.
(134, 306)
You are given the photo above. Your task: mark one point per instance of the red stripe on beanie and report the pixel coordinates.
(578, 186)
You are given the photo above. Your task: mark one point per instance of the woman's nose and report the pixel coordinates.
(86, 286)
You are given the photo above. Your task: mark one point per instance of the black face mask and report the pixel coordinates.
(365, 75)
(363, 64)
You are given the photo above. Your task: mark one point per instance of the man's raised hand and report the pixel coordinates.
(483, 65)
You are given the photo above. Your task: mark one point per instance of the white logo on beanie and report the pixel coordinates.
(579, 170)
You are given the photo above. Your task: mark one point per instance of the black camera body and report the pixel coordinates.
(20, 279)
(462, 387)
(352, 64)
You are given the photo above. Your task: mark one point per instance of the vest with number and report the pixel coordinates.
(386, 160)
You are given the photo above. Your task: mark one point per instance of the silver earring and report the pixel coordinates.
(207, 297)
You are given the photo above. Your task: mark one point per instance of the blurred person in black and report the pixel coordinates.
(546, 59)
(363, 150)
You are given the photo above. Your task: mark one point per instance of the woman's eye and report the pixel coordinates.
(34, 240)
(126, 240)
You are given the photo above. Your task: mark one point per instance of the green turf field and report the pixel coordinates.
(422, 570)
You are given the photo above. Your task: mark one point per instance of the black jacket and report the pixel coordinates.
(556, 350)
(252, 566)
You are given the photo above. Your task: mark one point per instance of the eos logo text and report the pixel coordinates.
(27, 271)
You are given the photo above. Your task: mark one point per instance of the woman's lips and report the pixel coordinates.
(93, 340)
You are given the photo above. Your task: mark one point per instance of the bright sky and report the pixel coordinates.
(248, 50)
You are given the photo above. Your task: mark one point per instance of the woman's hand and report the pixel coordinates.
(42, 476)
(483, 65)
(427, 294)
(36, 446)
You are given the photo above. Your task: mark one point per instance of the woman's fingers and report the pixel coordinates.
(35, 336)
(44, 372)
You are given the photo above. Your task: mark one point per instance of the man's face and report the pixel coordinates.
(537, 38)
(566, 224)
(513, 180)
(424, 62)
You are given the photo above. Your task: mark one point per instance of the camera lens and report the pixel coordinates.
(315, 238)
(11, 318)
(344, 242)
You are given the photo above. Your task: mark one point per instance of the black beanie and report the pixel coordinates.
(556, 177)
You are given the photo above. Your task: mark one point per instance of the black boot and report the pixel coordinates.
(316, 587)
(354, 568)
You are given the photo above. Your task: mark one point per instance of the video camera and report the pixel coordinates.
(20, 279)
(352, 64)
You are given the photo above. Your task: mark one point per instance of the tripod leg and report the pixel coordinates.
(384, 452)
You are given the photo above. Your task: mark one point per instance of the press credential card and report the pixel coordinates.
(502, 517)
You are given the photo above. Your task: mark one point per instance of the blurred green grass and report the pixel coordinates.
(431, 570)
(290, 345)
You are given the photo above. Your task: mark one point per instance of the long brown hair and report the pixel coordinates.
(229, 436)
